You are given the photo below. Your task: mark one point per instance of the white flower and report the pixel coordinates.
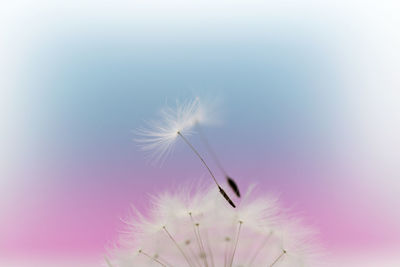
(199, 230)
(158, 139)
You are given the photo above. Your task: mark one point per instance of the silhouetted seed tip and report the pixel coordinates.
(225, 195)
(232, 184)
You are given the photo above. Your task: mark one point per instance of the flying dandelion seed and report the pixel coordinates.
(197, 230)
(205, 115)
(160, 136)
(176, 122)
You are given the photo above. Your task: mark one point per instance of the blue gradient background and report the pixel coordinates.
(305, 116)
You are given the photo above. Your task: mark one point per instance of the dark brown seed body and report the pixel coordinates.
(232, 184)
(225, 195)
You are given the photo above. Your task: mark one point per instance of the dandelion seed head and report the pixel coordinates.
(160, 135)
(203, 231)
(207, 111)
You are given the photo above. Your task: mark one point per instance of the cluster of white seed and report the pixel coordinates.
(202, 230)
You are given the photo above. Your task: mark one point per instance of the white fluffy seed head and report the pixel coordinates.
(208, 111)
(159, 137)
(200, 229)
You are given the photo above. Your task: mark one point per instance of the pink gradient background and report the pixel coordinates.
(310, 102)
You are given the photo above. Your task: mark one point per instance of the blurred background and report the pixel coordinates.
(310, 96)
